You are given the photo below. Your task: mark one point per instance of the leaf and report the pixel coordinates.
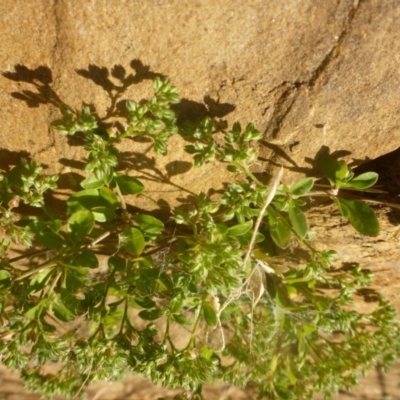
(80, 224)
(4, 275)
(240, 229)
(40, 280)
(334, 170)
(181, 320)
(129, 185)
(279, 229)
(116, 264)
(85, 199)
(108, 198)
(363, 181)
(133, 240)
(103, 214)
(148, 223)
(144, 302)
(61, 312)
(87, 259)
(34, 312)
(51, 240)
(298, 220)
(151, 315)
(257, 284)
(245, 239)
(360, 215)
(209, 315)
(302, 187)
(91, 183)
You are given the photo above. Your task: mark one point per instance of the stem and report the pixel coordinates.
(271, 193)
(45, 265)
(248, 173)
(122, 200)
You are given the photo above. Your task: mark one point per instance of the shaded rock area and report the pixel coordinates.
(313, 75)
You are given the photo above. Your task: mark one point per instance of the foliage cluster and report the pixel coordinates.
(215, 273)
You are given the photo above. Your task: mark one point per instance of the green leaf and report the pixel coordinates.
(209, 315)
(103, 214)
(279, 229)
(360, 215)
(4, 275)
(116, 264)
(363, 181)
(87, 259)
(85, 199)
(240, 229)
(151, 315)
(61, 312)
(91, 183)
(34, 312)
(302, 187)
(133, 240)
(181, 320)
(144, 302)
(108, 198)
(40, 280)
(129, 185)
(80, 224)
(148, 223)
(298, 220)
(334, 170)
(50, 240)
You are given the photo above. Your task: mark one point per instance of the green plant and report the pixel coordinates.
(212, 273)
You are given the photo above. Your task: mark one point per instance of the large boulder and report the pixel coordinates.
(313, 75)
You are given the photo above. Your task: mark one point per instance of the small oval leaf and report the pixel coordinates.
(91, 183)
(80, 224)
(148, 223)
(209, 315)
(129, 185)
(360, 215)
(4, 275)
(302, 187)
(364, 181)
(85, 199)
(240, 229)
(151, 315)
(298, 220)
(133, 240)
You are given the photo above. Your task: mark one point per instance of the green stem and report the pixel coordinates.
(122, 200)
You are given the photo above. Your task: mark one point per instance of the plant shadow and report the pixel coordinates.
(114, 81)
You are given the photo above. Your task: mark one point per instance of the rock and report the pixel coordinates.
(313, 75)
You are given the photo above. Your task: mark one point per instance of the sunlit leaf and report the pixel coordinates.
(302, 187)
(129, 184)
(363, 181)
(279, 229)
(4, 275)
(360, 215)
(91, 183)
(240, 229)
(80, 224)
(334, 170)
(298, 220)
(133, 240)
(148, 223)
(85, 199)
(103, 214)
